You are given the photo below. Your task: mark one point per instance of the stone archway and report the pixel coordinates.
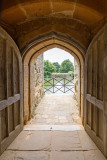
(28, 60)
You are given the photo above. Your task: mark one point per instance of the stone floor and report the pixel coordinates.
(52, 145)
(57, 110)
(60, 138)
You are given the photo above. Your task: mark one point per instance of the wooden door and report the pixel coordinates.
(11, 107)
(96, 90)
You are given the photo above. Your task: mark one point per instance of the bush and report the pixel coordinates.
(71, 74)
(49, 68)
(66, 66)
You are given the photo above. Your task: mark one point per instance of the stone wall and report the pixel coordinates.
(76, 80)
(38, 81)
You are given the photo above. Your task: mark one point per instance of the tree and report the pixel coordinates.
(71, 73)
(49, 68)
(57, 65)
(66, 66)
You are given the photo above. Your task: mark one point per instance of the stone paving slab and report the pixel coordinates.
(32, 140)
(52, 145)
(57, 110)
(94, 155)
(53, 127)
(86, 141)
(25, 155)
(53, 155)
(53, 140)
(73, 155)
(65, 141)
(77, 155)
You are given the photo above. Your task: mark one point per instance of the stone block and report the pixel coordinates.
(32, 140)
(64, 141)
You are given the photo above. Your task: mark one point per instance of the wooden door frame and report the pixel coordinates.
(16, 99)
(101, 105)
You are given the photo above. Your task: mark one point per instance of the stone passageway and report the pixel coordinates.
(57, 110)
(55, 133)
(52, 145)
(28, 28)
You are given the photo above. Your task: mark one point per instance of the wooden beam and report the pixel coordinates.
(9, 101)
(95, 101)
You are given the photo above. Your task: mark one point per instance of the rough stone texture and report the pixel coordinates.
(73, 155)
(65, 141)
(94, 155)
(34, 127)
(32, 140)
(25, 19)
(54, 155)
(38, 81)
(77, 81)
(28, 61)
(74, 29)
(57, 110)
(23, 155)
(33, 21)
(86, 142)
(51, 145)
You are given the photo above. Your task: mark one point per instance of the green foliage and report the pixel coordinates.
(48, 69)
(71, 73)
(66, 66)
(60, 75)
(57, 65)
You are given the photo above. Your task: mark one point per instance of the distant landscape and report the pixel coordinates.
(65, 67)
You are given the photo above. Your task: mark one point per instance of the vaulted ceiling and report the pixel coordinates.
(26, 19)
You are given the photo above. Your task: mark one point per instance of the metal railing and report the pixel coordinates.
(54, 85)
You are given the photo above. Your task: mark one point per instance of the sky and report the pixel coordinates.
(57, 55)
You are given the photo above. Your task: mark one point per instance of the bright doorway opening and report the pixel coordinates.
(56, 89)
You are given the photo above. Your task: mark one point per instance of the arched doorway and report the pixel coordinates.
(92, 98)
(28, 61)
(96, 48)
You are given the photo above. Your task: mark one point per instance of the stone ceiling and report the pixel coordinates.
(26, 19)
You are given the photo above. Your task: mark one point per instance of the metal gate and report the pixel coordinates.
(53, 85)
